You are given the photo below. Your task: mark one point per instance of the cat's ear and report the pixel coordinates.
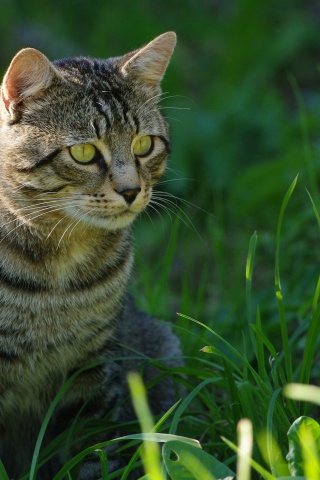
(29, 73)
(150, 62)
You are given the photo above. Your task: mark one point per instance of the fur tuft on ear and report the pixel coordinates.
(150, 62)
(29, 73)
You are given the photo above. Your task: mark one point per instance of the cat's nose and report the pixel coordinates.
(129, 194)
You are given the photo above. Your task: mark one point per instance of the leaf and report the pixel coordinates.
(3, 473)
(187, 462)
(304, 439)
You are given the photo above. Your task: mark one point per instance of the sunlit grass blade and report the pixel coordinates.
(245, 441)
(283, 323)
(258, 468)
(155, 429)
(301, 392)
(273, 452)
(150, 453)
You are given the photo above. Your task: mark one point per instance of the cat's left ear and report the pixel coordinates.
(29, 73)
(150, 62)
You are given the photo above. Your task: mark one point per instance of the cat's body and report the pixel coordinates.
(82, 143)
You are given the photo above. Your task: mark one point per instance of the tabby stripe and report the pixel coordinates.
(123, 104)
(33, 286)
(167, 144)
(103, 276)
(21, 283)
(8, 356)
(102, 112)
(40, 163)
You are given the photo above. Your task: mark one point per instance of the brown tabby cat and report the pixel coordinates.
(82, 144)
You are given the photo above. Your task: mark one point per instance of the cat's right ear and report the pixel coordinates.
(29, 73)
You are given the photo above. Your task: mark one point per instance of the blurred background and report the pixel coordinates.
(243, 102)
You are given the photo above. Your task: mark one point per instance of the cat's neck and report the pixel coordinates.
(62, 257)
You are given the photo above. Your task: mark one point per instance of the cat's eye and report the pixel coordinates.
(83, 152)
(143, 146)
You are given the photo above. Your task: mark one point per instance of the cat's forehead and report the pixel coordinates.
(84, 70)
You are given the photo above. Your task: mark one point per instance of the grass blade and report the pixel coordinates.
(283, 323)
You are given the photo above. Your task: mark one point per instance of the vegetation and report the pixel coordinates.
(238, 255)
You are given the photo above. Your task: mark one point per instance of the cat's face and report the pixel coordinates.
(83, 140)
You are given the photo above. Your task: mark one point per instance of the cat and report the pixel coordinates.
(83, 142)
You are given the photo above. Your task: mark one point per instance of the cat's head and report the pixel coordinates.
(83, 140)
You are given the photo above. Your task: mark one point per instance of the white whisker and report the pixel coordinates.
(74, 222)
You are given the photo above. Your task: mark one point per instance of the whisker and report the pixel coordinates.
(161, 194)
(76, 221)
(45, 209)
(30, 219)
(158, 213)
(174, 180)
(150, 100)
(51, 231)
(174, 209)
(174, 108)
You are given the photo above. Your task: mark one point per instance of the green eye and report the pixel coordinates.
(83, 152)
(143, 146)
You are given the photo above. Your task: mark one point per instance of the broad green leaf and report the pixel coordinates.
(304, 447)
(187, 462)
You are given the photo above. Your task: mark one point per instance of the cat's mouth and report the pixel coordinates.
(109, 220)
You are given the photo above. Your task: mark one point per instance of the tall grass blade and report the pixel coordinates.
(138, 451)
(310, 347)
(283, 323)
(258, 468)
(260, 350)
(249, 273)
(316, 212)
(245, 441)
(150, 453)
(182, 407)
(299, 391)
(273, 456)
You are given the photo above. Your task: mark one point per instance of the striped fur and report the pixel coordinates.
(65, 239)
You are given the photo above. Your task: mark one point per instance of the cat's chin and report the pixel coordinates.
(114, 222)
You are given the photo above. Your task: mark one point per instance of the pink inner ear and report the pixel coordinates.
(30, 71)
(150, 62)
(10, 92)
